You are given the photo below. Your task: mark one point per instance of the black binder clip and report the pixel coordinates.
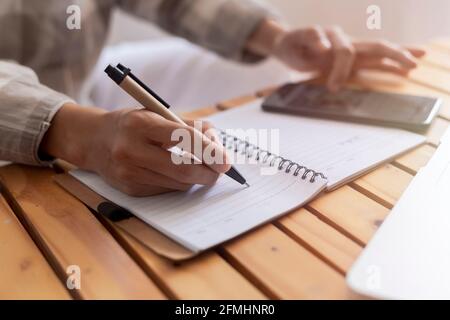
(113, 212)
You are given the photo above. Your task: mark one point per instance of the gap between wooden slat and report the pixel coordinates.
(422, 161)
(336, 226)
(37, 239)
(239, 266)
(310, 247)
(127, 247)
(31, 276)
(282, 268)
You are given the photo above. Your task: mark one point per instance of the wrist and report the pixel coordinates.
(71, 134)
(265, 39)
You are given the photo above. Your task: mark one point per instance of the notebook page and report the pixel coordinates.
(206, 216)
(340, 150)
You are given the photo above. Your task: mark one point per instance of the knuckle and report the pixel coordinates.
(132, 120)
(382, 45)
(346, 51)
(119, 152)
(314, 32)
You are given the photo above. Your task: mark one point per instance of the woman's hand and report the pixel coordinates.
(128, 148)
(331, 52)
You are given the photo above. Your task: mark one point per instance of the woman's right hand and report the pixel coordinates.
(128, 148)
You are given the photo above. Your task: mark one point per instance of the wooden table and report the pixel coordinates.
(304, 255)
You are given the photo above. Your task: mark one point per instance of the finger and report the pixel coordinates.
(316, 40)
(169, 133)
(207, 129)
(343, 59)
(416, 52)
(143, 176)
(385, 65)
(384, 49)
(156, 159)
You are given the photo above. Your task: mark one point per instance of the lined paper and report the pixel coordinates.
(340, 150)
(206, 216)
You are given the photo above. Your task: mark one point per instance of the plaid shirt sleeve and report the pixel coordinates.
(27, 108)
(223, 26)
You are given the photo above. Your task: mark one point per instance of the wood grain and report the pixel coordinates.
(282, 268)
(236, 102)
(200, 113)
(320, 238)
(384, 185)
(350, 212)
(436, 58)
(431, 77)
(266, 91)
(442, 44)
(416, 159)
(68, 234)
(436, 131)
(24, 272)
(205, 277)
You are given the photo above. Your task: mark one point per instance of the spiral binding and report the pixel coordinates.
(249, 150)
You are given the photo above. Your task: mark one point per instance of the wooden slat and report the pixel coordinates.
(431, 77)
(321, 239)
(384, 185)
(204, 277)
(350, 212)
(437, 130)
(437, 58)
(24, 273)
(232, 103)
(266, 92)
(200, 113)
(284, 269)
(338, 250)
(195, 279)
(416, 159)
(441, 43)
(69, 234)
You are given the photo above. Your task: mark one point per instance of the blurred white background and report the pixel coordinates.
(188, 77)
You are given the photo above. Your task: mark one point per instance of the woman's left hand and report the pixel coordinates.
(332, 52)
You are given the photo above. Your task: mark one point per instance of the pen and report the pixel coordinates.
(123, 77)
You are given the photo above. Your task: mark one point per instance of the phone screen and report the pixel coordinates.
(354, 105)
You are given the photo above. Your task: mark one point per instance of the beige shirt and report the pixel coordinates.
(43, 63)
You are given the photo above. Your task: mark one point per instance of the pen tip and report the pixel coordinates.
(247, 185)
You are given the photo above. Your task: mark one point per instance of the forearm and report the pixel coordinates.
(265, 38)
(223, 26)
(72, 135)
(26, 111)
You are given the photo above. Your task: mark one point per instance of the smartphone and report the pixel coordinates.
(378, 108)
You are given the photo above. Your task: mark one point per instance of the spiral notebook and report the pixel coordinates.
(312, 155)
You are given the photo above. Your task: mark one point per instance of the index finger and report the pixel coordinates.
(191, 140)
(343, 59)
(387, 50)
